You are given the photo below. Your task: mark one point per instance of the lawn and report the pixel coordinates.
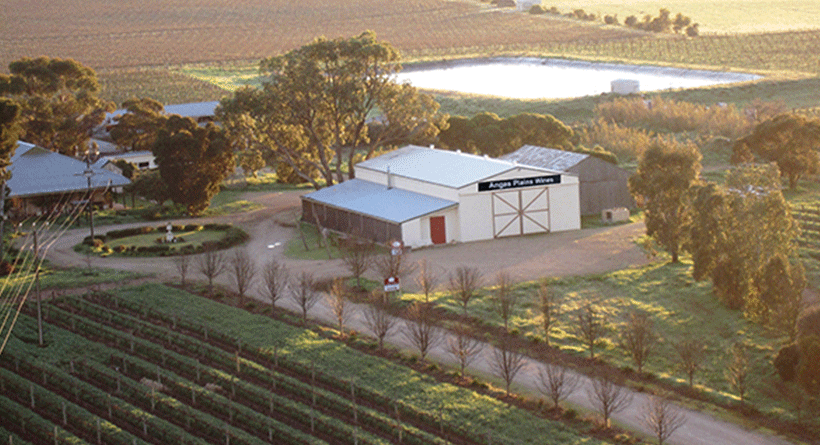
(679, 308)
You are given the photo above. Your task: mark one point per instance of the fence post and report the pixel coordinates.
(31, 391)
(65, 417)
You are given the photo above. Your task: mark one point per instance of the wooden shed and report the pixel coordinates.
(603, 185)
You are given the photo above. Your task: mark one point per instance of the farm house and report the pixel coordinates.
(426, 196)
(603, 185)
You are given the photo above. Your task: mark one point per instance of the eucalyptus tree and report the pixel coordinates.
(325, 103)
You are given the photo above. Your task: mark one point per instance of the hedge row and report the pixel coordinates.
(17, 416)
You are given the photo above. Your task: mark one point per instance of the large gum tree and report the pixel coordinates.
(327, 104)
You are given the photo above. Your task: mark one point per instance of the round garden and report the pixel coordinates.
(164, 240)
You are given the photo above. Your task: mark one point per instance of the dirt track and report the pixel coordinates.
(562, 254)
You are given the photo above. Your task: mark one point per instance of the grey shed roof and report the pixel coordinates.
(376, 200)
(37, 171)
(549, 158)
(448, 168)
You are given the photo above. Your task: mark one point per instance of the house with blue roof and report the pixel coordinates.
(426, 196)
(42, 181)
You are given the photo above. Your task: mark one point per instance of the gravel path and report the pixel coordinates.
(561, 254)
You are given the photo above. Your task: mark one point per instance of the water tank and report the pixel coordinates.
(625, 86)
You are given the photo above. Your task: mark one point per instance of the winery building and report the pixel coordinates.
(426, 196)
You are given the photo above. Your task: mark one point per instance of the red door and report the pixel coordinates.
(438, 233)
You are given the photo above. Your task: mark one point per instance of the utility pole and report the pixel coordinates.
(89, 173)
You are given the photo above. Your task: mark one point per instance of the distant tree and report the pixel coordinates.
(193, 161)
(339, 304)
(182, 263)
(357, 256)
(608, 398)
(463, 285)
(680, 23)
(376, 319)
(243, 272)
(549, 305)
(420, 328)
(738, 229)
(662, 185)
(211, 264)
(128, 169)
(690, 352)
(504, 298)
(427, 279)
(10, 131)
(275, 277)
(137, 128)
(462, 347)
(315, 109)
(591, 326)
(737, 371)
(507, 362)
(662, 418)
(304, 294)
(556, 382)
(149, 185)
(486, 133)
(789, 140)
(781, 301)
(60, 107)
(808, 370)
(638, 338)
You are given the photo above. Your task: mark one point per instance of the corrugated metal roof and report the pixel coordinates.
(376, 200)
(37, 171)
(549, 158)
(443, 167)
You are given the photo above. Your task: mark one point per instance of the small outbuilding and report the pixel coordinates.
(425, 196)
(603, 185)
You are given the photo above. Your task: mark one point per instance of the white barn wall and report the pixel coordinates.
(565, 208)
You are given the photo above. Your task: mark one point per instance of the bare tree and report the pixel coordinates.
(737, 371)
(507, 362)
(462, 347)
(305, 295)
(463, 284)
(338, 303)
(608, 398)
(211, 264)
(662, 417)
(398, 266)
(420, 329)
(357, 257)
(556, 382)
(638, 338)
(275, 277)
(690, 353)
(504, 299)
(550, 306)
(182, 263)
(591, 327)
(427, 279)
(243, 272)
(376, 318)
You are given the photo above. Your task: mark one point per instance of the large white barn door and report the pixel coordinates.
(520, 212)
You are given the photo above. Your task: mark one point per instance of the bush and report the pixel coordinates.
(786, 362)
(537, 9)
(611, 19)
(114, 234)
(631, 21)
(96, 243)
(6, 268)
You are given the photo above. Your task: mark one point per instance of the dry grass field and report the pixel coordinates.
(130, 33)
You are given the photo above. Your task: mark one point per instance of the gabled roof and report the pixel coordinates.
(37, 171)
(376, 200)
(443, 167)
(549, 158)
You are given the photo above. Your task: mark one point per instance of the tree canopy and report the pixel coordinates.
(741, 232)
(193, 161)
(60, 107)
(662, 185)
(790, 140)
(137, 128)
(323, 103)
(10, 130)
(486, 133)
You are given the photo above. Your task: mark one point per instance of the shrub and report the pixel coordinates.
(786, 362)
(6, 268)
(122, 233)
(611, 19)
(621, 142)
(631, 21)
(537, 9)
(554, 10)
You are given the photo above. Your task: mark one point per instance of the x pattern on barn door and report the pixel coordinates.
(520, 212)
